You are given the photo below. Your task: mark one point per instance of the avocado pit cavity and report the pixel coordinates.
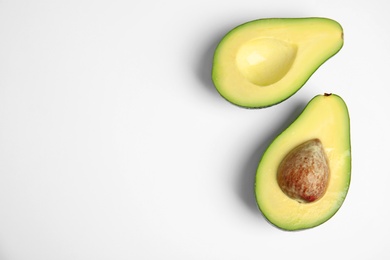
(303, 174)
(264, 61)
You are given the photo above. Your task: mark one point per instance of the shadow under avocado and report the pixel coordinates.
(204, 68)
(204, 63)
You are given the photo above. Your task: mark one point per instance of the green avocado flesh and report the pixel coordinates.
(326, 120)
(263, 62)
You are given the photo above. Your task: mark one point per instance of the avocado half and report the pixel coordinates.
(263, 62)
(325, 118)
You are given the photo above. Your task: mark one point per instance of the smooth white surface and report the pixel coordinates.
(114, 143)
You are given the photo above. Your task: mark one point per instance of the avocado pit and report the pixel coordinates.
(303, 174)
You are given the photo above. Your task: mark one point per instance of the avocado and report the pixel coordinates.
(263, 62)
(304, 175)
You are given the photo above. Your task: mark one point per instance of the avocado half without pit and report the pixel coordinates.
(263, 62)
(303, 176)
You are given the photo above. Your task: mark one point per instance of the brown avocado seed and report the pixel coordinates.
(303, 174)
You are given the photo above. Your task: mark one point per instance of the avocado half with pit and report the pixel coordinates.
(263, 62)
(303, 176)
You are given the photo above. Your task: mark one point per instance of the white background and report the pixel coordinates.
(114, 143)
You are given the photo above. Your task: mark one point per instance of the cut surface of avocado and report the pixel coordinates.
(326, 119)
(263, 62)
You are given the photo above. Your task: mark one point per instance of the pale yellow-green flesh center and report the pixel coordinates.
(325, 118)
(265, 61)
